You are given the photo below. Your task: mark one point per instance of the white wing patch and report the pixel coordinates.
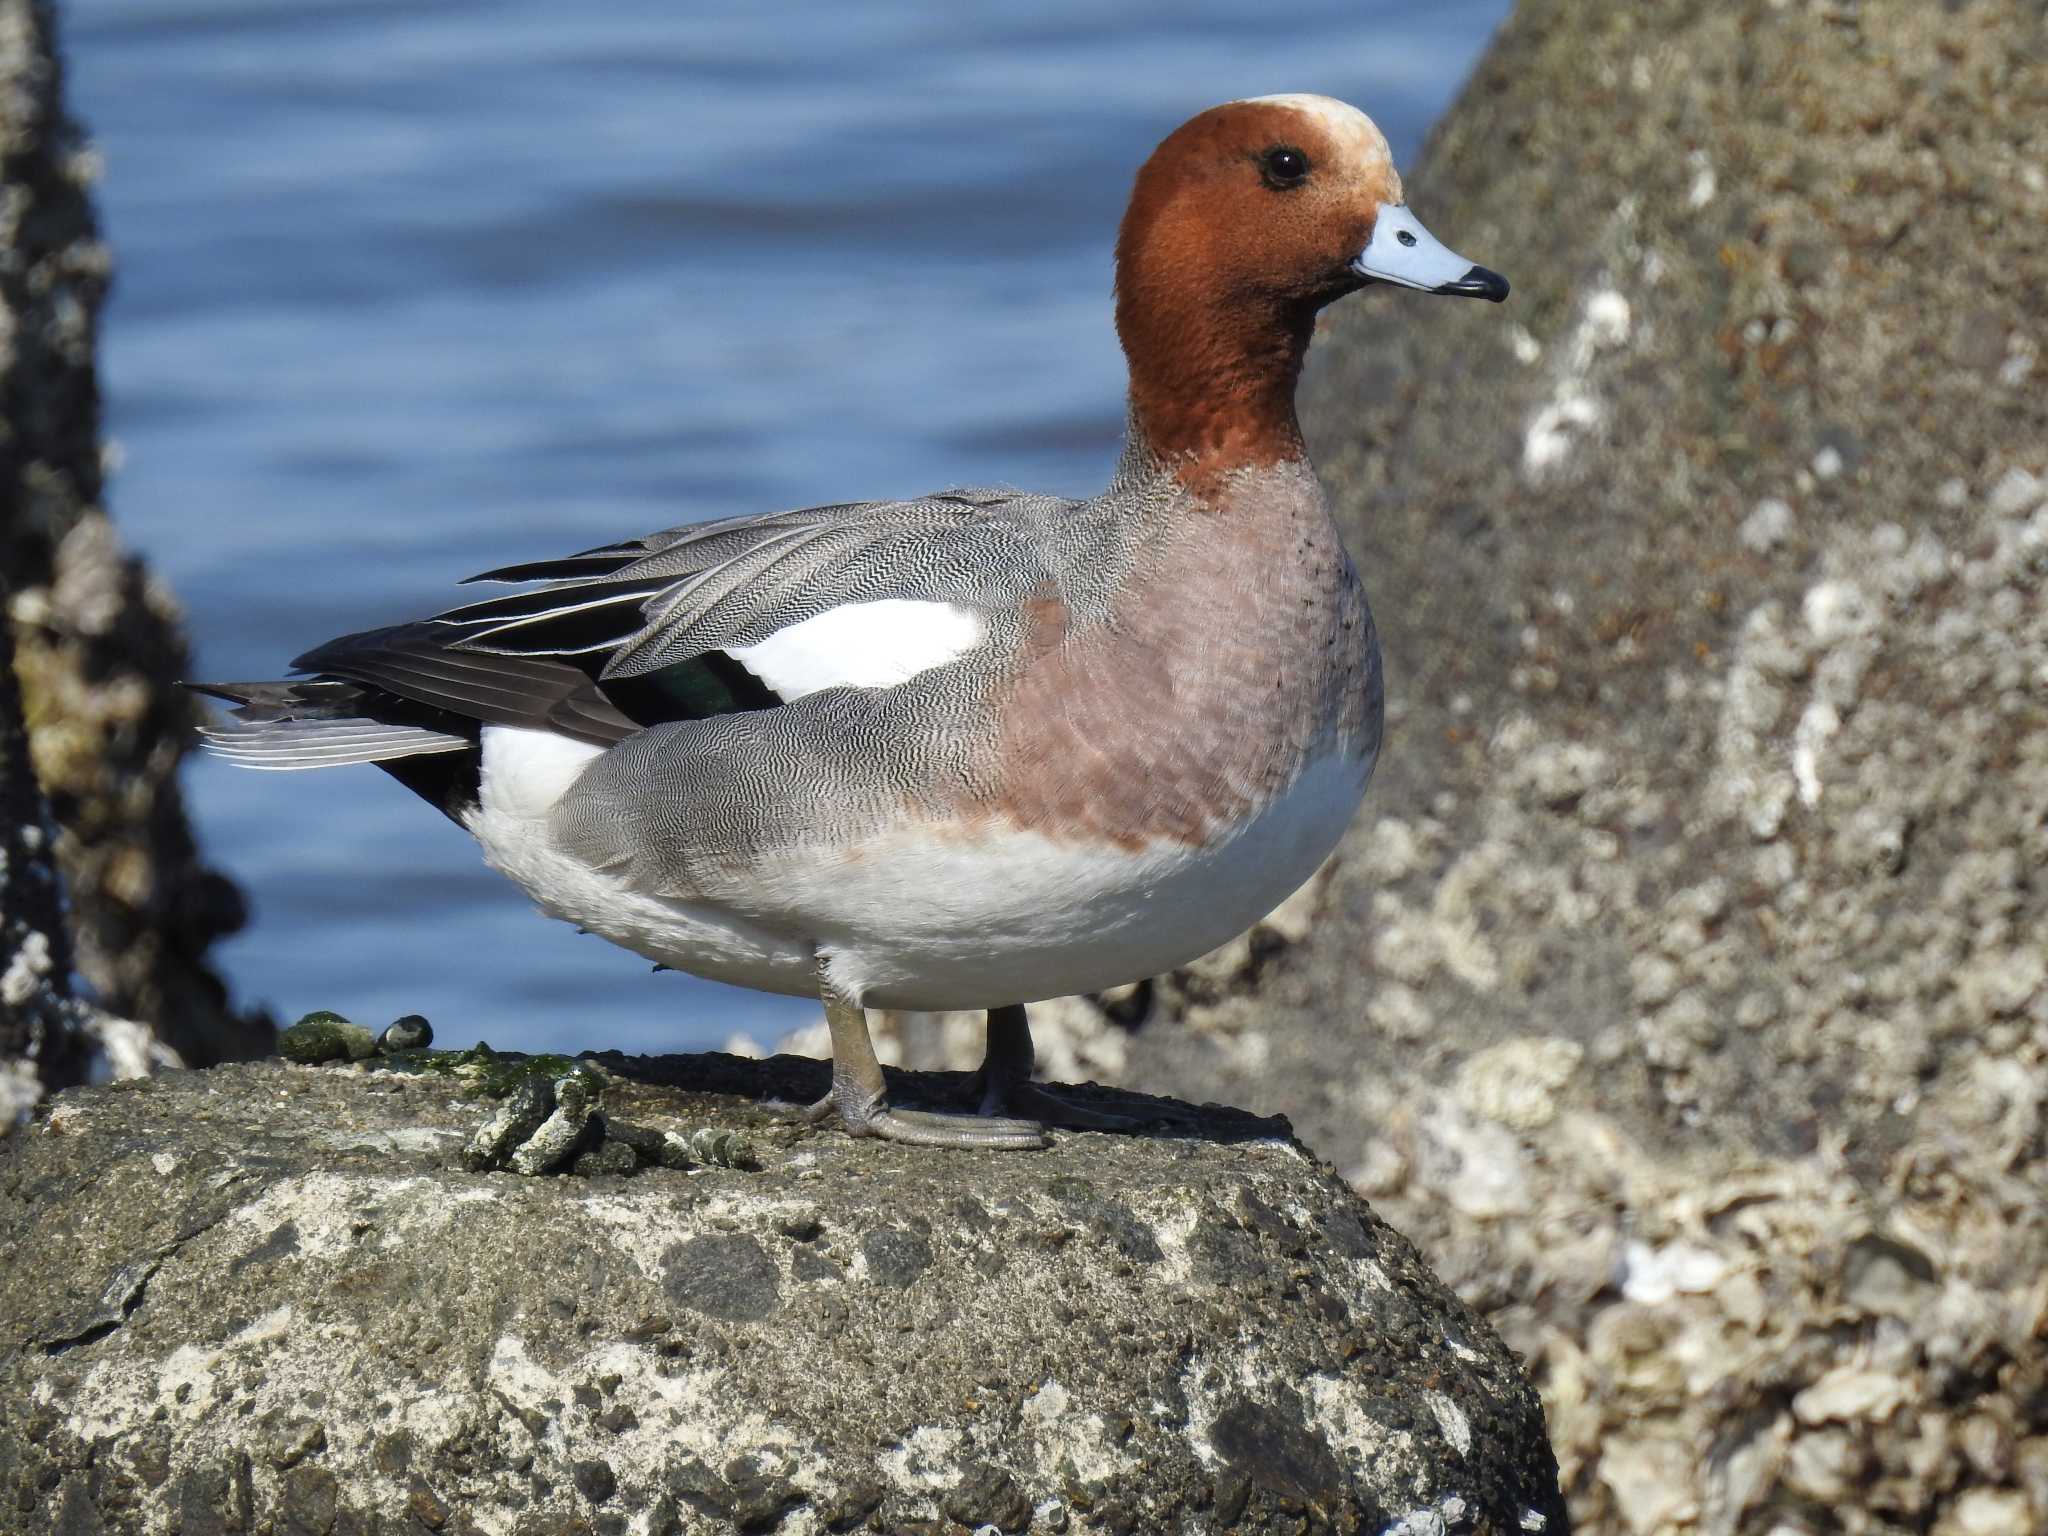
(862, 645)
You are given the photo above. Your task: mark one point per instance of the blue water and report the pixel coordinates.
(409, 290)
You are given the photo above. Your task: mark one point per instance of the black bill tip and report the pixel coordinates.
(1477, 283)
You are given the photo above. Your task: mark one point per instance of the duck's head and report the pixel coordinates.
(1288, 198)
(1244, 222)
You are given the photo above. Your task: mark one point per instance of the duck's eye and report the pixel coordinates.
(1283, 166)
(1405, 236)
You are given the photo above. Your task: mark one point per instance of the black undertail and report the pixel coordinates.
(451, 782)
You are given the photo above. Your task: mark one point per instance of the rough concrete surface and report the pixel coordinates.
(1683, 987)
(273, 1299)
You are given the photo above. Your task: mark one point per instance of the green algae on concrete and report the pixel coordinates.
(322, 1036)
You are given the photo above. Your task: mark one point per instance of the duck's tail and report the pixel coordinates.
(313, 724)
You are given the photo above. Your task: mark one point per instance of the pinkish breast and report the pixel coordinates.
(1238, 650)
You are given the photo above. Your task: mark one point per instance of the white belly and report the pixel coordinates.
(941, 918)
(924, 916)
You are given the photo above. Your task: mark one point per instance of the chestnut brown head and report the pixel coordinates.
(1245, 221)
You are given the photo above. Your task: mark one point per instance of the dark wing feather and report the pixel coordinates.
(596, 562)
(415, 663)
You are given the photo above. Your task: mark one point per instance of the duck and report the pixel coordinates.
(970, 750)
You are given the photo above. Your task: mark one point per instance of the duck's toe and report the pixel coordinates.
(919, 1128)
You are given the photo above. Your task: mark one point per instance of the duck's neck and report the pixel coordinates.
(1212, 383)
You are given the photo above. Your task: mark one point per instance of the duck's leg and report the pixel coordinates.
(1005, 1080)
(860, 1098)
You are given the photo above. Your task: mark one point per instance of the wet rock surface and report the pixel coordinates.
(273, 1298)
(1683, 987)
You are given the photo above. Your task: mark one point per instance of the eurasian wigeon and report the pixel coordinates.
(966, 751)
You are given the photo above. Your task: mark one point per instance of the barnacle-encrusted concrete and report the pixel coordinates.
(96, 646)
(271, 1298)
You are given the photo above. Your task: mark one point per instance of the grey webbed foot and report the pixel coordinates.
(859, 1099)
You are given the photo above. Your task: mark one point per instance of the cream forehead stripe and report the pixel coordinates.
(1349, 127)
